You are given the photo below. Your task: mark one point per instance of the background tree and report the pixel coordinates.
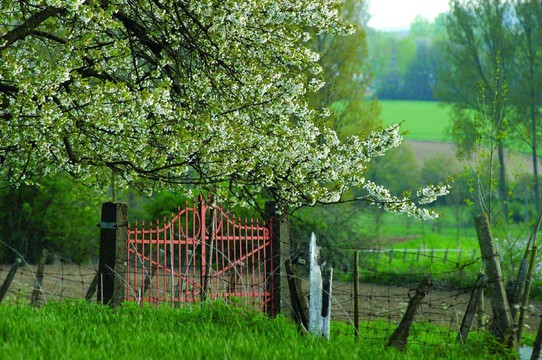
(346, 75)
(479, 48)
(58, 215)
(405, 63)
(390, 56)
(526, 89)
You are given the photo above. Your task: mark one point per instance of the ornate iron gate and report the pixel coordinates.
(203, 252)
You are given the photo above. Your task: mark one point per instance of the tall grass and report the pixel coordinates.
(209, 331)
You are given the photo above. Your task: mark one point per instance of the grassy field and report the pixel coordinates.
(209, 331)
(424, 120)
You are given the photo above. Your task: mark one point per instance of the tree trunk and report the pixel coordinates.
(536, 187)
(503, 193)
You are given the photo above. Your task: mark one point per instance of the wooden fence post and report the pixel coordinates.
(400, 336)
(320, 293)
(275, 268)
(481, 309)
(9, 278)
(39, 279)
(113, 253)
(92, 287)
(516, 292)
(326, 301)
(474, 301)
(526, 292)
(300, 308)
(503, 328)
(538, 342)
(356, 294)
(315, 289)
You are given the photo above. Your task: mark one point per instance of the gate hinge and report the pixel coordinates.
(107, 225)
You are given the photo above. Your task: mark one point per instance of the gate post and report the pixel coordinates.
(202, 208)
(275, 276)
(113, 253)
(208, 247)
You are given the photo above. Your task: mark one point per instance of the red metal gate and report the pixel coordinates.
(203, 252)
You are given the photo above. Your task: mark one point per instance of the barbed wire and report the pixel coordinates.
(382, 299)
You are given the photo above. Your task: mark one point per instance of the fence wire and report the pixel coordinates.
(63, 279)
(385, 290)
(382, 297)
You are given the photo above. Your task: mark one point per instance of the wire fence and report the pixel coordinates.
(62, 279)
(388, 279)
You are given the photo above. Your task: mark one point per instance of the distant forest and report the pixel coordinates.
(405, 64)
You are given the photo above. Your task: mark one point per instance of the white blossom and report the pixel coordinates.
(209, 93)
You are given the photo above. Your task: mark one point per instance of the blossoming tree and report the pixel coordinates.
(211, 93)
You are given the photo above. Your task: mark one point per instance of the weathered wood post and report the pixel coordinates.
(326, 301)
(503, 328)
(481, 309)
(526, 292)
(276, 279)
(300, 307)
(92, 287)
(320, 294)
(113, 253)
(39, 279)
(514, 297)
(474, 301)
(400, 336)
(9, 278)
(315, 289)
(537, 343)
(356, 294)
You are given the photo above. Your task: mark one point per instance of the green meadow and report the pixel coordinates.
(423, 120)
(208, 331)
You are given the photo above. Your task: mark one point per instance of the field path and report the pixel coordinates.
(424, 150)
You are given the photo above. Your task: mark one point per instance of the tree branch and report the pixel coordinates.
(25, 29)
(5, 88)
(139, 31)
(47, 35)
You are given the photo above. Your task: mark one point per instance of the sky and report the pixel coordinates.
(399, 14)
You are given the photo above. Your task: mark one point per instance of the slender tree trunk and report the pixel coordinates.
(503, 194)
(536, 187)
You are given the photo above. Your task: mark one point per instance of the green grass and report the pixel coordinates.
(423, 120)
(419, 248)
(208, 331)
(441, 233)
